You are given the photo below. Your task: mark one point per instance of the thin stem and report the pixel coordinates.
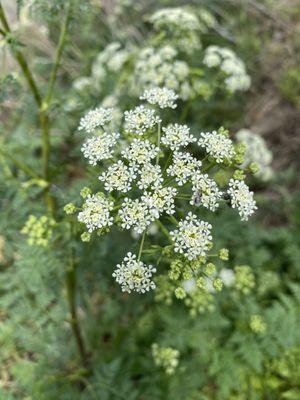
(58, 55)
(141, 246)
(173, 219)
(21, 60)
(23, 167)
(164, 230)
(158, 141)
(71, 284)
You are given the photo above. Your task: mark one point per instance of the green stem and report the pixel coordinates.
(164, 230)
(141, 246)
(23, 167)
(58, 55)
(21, 60)
(71, 283)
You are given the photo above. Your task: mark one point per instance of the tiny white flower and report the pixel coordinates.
(217, 145)
(205, 192)
(163, 97)
(241, 198)
(134, 275)
(118, 177)
(192, 238)
(140, 119)
(140, 152)
(100, 147)
(184, 166)
(150, 176)
(96, 212)
(135, 214)
(94, 118)
(176, 136)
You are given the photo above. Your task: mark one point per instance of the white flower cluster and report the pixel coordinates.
(176, 136)
(257, 152)
(99, 147)
(134, 275)
(111, 58)
(193, 237)
(184, 166)
(140, 119)
(159, 67)
(163, 97)
(205, 192)
(241, 198)
(234, 68)
(217, 145)
(183, 25)
(152, 188)
(96, 212)
(95, 118)
(118, 177)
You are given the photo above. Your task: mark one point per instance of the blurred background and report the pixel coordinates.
(234, 63)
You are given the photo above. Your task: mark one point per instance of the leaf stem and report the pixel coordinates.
(141, 245)
(158, 141)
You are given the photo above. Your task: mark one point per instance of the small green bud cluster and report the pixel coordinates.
(244, 279)
(38, 230)
(240, 150)
(165, 357)
(199, 301)
(224, 254)
(257, 324)
(69, 208)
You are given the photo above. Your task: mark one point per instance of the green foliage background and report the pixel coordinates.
(220, 356)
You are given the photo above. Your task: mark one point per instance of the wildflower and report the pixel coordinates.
(163, 97)
(95, 118)
(134, 275)
(135, 214)
(165, 357)
(85, 237)
(140, 119)
(118, 177)
(217, 145)
(193, 237)
(140, 152)
(99, 148)
(161, 200)
(184, 166)
(218, 284)
(180, 293)
(176, 136)
(150, 176)
(95, 213)
(84, 192)
(205, 192)
(241, 198)
(224, 254)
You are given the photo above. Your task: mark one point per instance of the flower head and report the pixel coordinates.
(241, 198)
(184, 166)
(176, 136)
(134, 275)
(95, 118)
(135, 214)
(163, 97)
(118, 177)
(217, 145)
(161, 200)
(140, 152)
(140, 119)
(150, 176)
(96, 212)
(100, 147)
(192, 238)
(205, 192)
